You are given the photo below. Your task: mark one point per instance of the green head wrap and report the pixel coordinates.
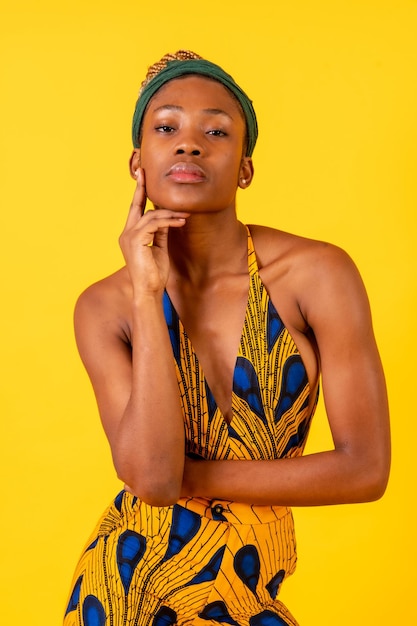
(175, 69)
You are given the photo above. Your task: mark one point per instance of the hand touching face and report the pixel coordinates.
(144, 242)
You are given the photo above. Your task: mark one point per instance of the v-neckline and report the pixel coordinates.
(202, 374)
(252, 266)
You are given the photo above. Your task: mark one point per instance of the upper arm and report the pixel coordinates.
(337, 310)
(105, 353)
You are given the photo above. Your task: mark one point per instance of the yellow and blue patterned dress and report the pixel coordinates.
(205, 562)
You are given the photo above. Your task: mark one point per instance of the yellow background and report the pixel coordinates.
(335, 88)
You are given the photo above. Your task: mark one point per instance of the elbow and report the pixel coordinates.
(365, 471)
(157, 494)
(377, 484)
(151, 488)
(379, 471)
(372, 480)
(155, 480)
(370, 491)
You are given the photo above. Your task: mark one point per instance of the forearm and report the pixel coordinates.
(150, 441)
(332, 477)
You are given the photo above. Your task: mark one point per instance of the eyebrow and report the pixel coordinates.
(209, 111)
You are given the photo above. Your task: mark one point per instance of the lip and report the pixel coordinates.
(184, 172)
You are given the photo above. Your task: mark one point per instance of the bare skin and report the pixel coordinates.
(192, 160)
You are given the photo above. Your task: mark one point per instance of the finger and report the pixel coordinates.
(137, 207)
(139, 197)
(163, 215)
(160, 239)
(154, 228)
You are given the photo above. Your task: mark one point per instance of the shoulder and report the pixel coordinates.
(277, 250)
(105, 293)
(105, 303)
(318, 274)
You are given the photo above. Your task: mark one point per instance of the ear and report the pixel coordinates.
(246, 172)
(134, 162)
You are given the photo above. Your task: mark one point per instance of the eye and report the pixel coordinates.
(164, 128)
(216, 132)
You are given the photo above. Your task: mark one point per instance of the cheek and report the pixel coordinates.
(153, 188)
(161, 193)
(152, 175)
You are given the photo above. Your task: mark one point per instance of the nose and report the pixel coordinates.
(188, 142)
(192, 151)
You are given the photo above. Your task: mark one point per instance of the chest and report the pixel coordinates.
(213, 321)
(250, 382)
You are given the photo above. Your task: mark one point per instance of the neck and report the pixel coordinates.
(206, 246)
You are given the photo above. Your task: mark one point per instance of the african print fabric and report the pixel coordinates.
(202, 561)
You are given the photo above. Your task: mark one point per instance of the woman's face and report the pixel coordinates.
(192, 148)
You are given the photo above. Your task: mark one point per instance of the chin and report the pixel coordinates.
(180, 198)
(179, 204)
(172, 206)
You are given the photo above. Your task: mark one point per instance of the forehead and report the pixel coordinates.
(199, 91)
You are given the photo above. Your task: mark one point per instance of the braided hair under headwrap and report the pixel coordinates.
(183, 63)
